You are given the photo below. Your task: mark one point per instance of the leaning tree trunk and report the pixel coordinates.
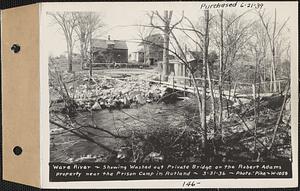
(287, 89)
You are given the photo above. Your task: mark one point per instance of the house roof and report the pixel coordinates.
(101, 43)
(153, 39)
(196, 55)
(139, 49)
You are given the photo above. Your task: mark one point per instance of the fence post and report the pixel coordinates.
(279, 85)
(190, 80)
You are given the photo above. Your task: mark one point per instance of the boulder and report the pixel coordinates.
(133, 94)
(96, 106)
(133, 105)
(140, 99)
(126, 101)
(154, 157)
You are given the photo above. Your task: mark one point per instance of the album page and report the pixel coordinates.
(169, 94)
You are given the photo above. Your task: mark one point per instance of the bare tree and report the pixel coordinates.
(282, 49)
(221, 70)
(258, 48)
(144, 32)
(88, 24)
(229, 37)
(212, 96)
(166, 28)
(68, 23)
(204, 75)
(199, 40)
(273, 31)
(180, 55)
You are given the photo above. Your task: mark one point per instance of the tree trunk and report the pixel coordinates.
(82, 54)
(91, 58)
(264, 78)
(91, 66)
(70, 57)
(212, 97)
(220, 75)
(205, 60)
(273, 70)
(229, 95)
(82, 49)
(145, 56)
(166, 36)
(255, 108)
(271, 77)
(165, 62)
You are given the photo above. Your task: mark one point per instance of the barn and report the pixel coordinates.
(109, 51)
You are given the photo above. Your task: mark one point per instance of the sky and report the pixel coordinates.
(120, 24)
(121, 18)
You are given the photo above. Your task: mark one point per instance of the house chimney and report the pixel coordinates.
(108, 37)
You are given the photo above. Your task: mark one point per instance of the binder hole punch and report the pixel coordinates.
(17, 150)
(15, 48)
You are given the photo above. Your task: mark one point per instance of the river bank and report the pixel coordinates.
(157, 129)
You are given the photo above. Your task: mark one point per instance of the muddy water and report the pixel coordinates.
(69, 148)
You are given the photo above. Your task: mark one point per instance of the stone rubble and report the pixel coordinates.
(115, 94)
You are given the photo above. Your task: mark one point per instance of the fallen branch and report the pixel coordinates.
(100, 129)
(243, 121)
(83, 136)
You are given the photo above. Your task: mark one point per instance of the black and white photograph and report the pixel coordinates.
(203, 83)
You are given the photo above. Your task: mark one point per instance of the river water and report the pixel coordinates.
(142, 119)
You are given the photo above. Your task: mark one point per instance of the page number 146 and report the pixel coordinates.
(190, 183)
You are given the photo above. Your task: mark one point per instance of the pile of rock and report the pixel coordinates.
(116, 94)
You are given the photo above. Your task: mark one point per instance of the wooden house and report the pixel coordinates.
(150, 51)
(109, 51)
